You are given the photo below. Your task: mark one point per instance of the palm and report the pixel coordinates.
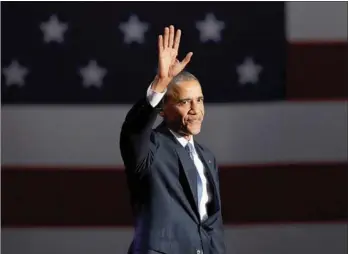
(166, 59)
(168, 65)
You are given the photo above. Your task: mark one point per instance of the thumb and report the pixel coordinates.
(187, 58)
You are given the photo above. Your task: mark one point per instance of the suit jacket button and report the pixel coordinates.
(199, 252)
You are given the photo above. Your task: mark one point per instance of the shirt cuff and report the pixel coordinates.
(154, 97)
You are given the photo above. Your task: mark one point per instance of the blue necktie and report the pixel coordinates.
(190, 150)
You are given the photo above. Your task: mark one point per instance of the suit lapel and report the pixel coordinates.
(208, 164)
(189, 169)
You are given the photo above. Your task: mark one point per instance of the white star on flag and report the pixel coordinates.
(134, 30)
(248, 71)
(15, 74)
(210, 28)
(92, 74)
(53, 30)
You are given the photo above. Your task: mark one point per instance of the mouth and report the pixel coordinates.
(194, 121)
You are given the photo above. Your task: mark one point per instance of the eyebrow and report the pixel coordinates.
(186, 99)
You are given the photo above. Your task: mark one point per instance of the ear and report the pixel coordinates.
(160, 108)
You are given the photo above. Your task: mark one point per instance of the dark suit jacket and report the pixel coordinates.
(162, 189)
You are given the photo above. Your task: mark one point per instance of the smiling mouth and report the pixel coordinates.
(194, 121)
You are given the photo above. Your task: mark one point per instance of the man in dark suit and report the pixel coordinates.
(173, 180)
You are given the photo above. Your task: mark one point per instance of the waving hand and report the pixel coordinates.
(168, 47)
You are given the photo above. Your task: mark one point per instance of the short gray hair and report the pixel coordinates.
(182, 76)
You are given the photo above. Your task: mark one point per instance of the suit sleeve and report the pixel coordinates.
(137, 141)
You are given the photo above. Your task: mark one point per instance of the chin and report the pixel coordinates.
(194, 131)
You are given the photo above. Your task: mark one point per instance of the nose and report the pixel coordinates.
(194, 107)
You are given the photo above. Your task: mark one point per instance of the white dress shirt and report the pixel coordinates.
(154, 98)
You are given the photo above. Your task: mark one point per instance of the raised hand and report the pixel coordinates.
(168, 47)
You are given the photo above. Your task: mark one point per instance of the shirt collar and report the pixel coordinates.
(183, 141)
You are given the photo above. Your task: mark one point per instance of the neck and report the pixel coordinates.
(187, 137)
(179, 132)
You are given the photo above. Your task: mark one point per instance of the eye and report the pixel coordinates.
(184, 102)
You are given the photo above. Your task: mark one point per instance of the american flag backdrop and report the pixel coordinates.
(106, 53)
(275, 81)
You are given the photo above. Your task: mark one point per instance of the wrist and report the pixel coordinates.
(160, 84)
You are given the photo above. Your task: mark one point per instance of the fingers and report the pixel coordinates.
(187, 58)
(160, 43)
(177, 40)
(171, 36)
(166, 37)
(168, 40)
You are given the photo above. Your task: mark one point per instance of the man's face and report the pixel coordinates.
(184, 108)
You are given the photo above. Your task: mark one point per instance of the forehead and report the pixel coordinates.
(190, 88)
